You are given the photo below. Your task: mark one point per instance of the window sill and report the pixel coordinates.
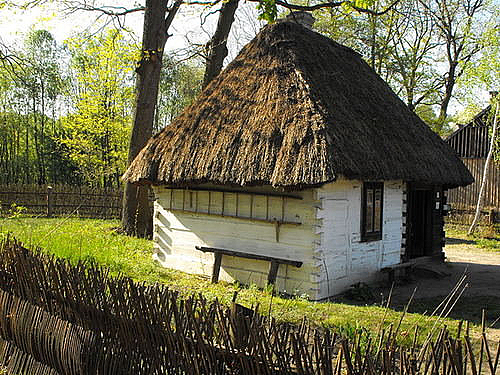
(371, 238)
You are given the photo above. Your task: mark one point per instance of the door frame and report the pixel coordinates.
(420, 204)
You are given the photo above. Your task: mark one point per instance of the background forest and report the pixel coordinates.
(66, 108)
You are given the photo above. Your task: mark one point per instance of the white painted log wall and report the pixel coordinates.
(341, 256)
(327, 241)
(176, 234)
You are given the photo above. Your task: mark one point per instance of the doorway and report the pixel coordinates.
(419, 223)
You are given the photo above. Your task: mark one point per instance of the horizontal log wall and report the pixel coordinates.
(61, 200)
(342, 257)
(276, 226)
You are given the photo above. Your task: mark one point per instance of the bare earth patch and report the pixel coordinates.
(434, 282)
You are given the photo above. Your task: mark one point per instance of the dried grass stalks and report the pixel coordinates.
(296, 109)
(57, 318)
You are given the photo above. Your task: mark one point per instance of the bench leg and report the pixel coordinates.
(216, 270)
(391, 276)
(273, 272)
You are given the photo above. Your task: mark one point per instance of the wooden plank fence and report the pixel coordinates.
(464, 199)
(59, 200)
(57, 319)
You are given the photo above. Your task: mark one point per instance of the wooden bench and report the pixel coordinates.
(273, 268)
(415, 262)
(391, 270)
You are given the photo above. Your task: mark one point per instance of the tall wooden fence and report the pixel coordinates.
(464, 199)
(60, 200)
(58, 319)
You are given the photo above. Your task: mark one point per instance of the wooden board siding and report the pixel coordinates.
(471, 141)
(177, 232)
(340, 255)
(465, 198)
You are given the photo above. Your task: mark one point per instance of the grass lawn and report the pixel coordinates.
(486, 236)
(96, 240)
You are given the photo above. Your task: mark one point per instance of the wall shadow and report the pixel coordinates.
(435, 283)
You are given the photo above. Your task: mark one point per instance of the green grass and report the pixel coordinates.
(76, 239)
(486, 236)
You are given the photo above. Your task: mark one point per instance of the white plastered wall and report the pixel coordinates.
(177, 233)
(341, 256)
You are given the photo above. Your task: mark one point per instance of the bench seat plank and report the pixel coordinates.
(273, 267)
(243, 254)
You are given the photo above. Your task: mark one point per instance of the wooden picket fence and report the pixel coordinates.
(58, 318)
(59, 200)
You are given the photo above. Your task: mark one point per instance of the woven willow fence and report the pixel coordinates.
(56, 318)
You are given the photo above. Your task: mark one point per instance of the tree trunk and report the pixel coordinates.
(136, 213)
(218, 44)
(443, 107)
(485, 173)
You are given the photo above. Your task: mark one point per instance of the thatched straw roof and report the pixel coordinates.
(296, 109)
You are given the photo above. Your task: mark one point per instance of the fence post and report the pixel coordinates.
(49, 201)
(492, 216)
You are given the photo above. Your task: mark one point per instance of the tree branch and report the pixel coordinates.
(331, 4)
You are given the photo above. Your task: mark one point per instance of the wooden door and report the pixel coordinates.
(419, 223)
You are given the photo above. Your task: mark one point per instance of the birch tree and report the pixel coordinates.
(494, 108)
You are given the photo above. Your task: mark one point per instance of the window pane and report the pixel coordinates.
(369, 211)
(378, 210)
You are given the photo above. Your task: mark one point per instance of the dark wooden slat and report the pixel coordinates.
(273, 272)
(216, 270)
(465, 198)
(243, 254)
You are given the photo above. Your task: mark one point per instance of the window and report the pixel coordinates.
(371, 211)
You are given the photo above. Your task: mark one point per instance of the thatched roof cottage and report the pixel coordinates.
(299, 166)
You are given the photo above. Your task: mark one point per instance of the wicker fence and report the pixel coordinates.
(61, 200)
(56, 318)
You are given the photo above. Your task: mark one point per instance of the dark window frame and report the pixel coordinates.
(370, 234)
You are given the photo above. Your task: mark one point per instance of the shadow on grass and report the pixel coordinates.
(459, 241)
(467, 308)
(433, 285)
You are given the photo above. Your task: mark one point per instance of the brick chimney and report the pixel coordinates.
(305, 19)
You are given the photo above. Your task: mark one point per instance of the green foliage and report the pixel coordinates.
(96, 133)
(267, 10)
(486, 237)
(427, 114)
(484, 72)
(28, 104)
(66, 118)
(180, 83)
(16, 211)
(467, 114)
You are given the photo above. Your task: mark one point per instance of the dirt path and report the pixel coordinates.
(434, 283)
